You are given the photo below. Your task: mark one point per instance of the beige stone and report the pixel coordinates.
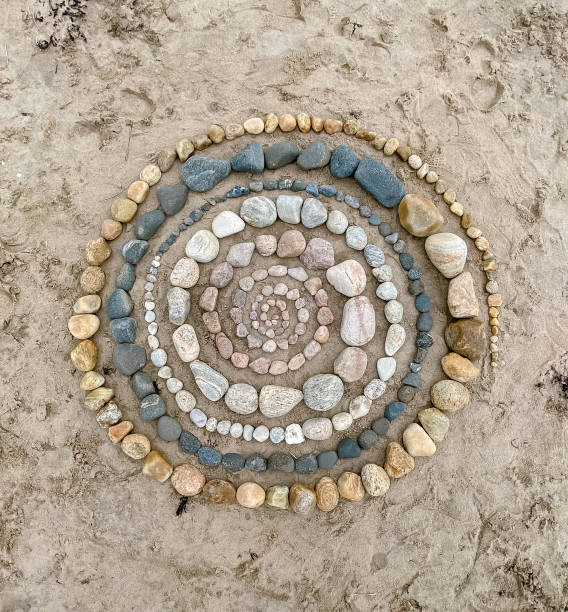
(87, 304)
(270, 123)
(398, 462)
(91, 380)
(254, 125)
(187, 480)
(216, 133)
(375, 480)
(201, 142)
(287, 122)
(117, 432)
(111, 229)
(150, 174)
(83, 326)
(250, 495)
(123, 210)
(136, 446)
(332, 126)
(92, 279)
(419, 215)
(166, 158)
(302, 498)
(447, 252)
(435, 423)
(462, 302)
(368, 135)
(156, 466)
(459, 368)
(304, 122)
(184, 149)
(417, 442)
(390, 146)
(327, 494)
(449, 395)
(97, 251)
(350, 486)
(84, 355)
(138, 192)
(317, 123)
(350, 127)
(234, 130)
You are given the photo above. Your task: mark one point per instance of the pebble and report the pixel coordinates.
(312, 349)
(387, 291)
(201, 173)
(298, 274)
(152, 407)
(291, 244)
(123, 210)
(280, 154)
(87, 304)
(174, 385)
(459, 368)
(395, 338)
(209, 456)
(277, 497)
(172, 198)
(317, 428)
(374, 256)
(250, 495)
(83, 326)
(332, 126)
(347, 277)
(294, 434)
(419, 216)
(142, 385)
(109, 415)
(358, 322)
(186, 343)
(313, 213)
(97, 252)
(449, 395)
(117, 432)
(462, 302)
(236, 430)
(393, 311)
(275, 401)
(260, 365)
(92, 279)
(350, 364)
(240, 254)
(302, 498)
(184, 149)
(221, 275)
(374, 389)
(234, 130)
(277, 435)
(111, 229)
(156, 466)
(417, 442)
(359, 406)
(287, 122)
(168, 429)
(306, 464)
(254, 125)
(188, 443)
(166, 159)
(435, 423)
(447, 252)
(466, 337)
(218, 492)
(240, 360)
(398, 462)
(375, 178)
(374, 479)
(258, 211)
(344, 162)
(318, 255)
(203, 246)
(208, 299)
(256, 463)
(148, 224)
(123, 330)
(316, 155)
(250, 159)
(261, 433)
(322, 392)
(227, 223)
(337, 222)
(288, 208)
(367, 439)
(356, 238)
(126, 277)
(212, 322)
(128, 358)
(211, 383)
(179, 303)
(327, 494)
(91, 380)
(422, 302)
(341, 421)
(350, 486)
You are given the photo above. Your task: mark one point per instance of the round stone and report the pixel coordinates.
(294, 434)
(111, 229)
(288, 208)
(233, 462)
(387, 291)
(203, 246)
(417, 442)
(350, 486)
(291, 244)
(350, 364)
(374, 389)
(375, 480)
(87, 304)
(322, 392)
(97, 252)
(287, 122)
(168, 429)
(136, 446)
(256, 463)
(367, 439)
(449, 395)
(347, 277)
(419, 216)
(344, 162)
(317, 429)
(241, 398)
(187, 480)
(275, 401)
(394, 311)
(128, 358)
(123, 210)
(258, 211)
(218, 492)
(250, 495)
(92, 279)
(459, 368)
(358, 322)
(83, 326)
(395, 338)
(348, 449)
(337, 222)
(281, 462)
(356, 238)
(254, 125)
(313, 213)
(227, 223)
(327, 494)
(447, 252)
(302, 498)
(316, 155)
(342, 421)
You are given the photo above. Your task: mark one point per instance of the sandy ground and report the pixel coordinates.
(478, 88)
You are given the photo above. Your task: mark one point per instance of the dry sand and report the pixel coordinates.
(478, 88)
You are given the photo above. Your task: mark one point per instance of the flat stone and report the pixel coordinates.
(211, 383)
(317, 429)
(459, 368)
(280, 154)
(322, 392)
(260, 365)
(185, 273)
(375, 480)
(212, 322)
(250, 159)
(240, 254)
(168, 429)
(417, 442)
(288, 208)
(227, 223)
(375, 178)
(258, 211)
(337, 222)
(449, 395)
(386, 367)
(201, 173)
(344, 162)
(396, 335)
(350, 364)
(186, 343)
(462, 302)
(275, 401)
(221, 275)
(447, 252)
(218, 492)
(128, 358)
(172, 198)
(123, 330)
(179, 304)
(358, 322)
(316, 155)
(434, 422)
(313, 213)
(318, 255)
(209, 456)
(347, 277)
(203, 246)
(356, 238)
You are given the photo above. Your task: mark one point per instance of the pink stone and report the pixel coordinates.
(260, 365)
(296, 362)
(221, 275)
(240, 360)
(208, 299)
(313, 285)
(211, 320)
(278, 367)
(320, 297)
(358, 323)
(266, 244)
(312, 349)
(322, 334)
(300, 329)
(350, 364)
(318, 255)
(224, 345)
(291, 244)
(325, 316)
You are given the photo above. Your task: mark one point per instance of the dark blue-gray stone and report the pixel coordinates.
(188, 221)
(256, 463)
(374, 220)
(280, 154)
(422, 302)
(393, 410)
(134, 250)
(148, 224)
(312, 189)
(196, 215)
(168, 429)
(152, 407)
(327, 459)
(142, 385)
(344, 162)
(285, 184)
(327, 190)
(119, 304)
(201, 173)
(128, 358)
(413, 380)
(414, 274)
(236, 192)
(352, 201)
(123, 330)
(219, 199)
(298, 186)
(415, 287)
(424, 340)
(233, 462)
(424, 322)
(126, 277)
(421, 354)
(188, 443)
(406, 260)
(381, 426)
(380, 182)
(209, 456)
(271, 185)
(415, 367)
(365, 212)
(172, 198)
(340, 197)
(205, 207)
(385, 229)
(257, 185)
(405, 394)
(391, 238)
(250, 159)
(281, 462)
(306, 464)
(367, 439)
(348, 449)
(316, 155)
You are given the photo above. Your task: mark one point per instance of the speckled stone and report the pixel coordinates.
(344, 162)
(172, 198)
(318, 255)
(323, 391)
(434, 422)
(201, 173)
(398, 462)
(128, 358)
(449, 395)
(250, 159)
(188, 443)
(375, 480)
(313, 213)
(306, 464)
(209, 456)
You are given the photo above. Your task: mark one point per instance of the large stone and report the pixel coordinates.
(188, 480)
(179, 304)
(347, 277)
(258, 211)
(201, 173)
(358, 322)
(459, 368)
(128, 358)
(380, 182)
(185, 273)
(240, 254)
(172, 198)
(288, 208)
(398, 462)
(435, 423)
(211, 383)
(350, 364)
(186, 343)
(375, 479)
(449, 395)
(316, 155)
(250, 159)
(280, 154)
(313, 213)
(302, 498)
(419, 216)
(447, 252)
(323, 392)
(466, 337)
(221, 275)
(241, 398)
(291, 244)
(203, 246)
(123, 330)
(148, 224)
(344, 162)
(417, 442)
(227, 223)
(319, 255)
(462, 302)
(275, 401)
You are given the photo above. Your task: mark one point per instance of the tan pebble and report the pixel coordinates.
(102, 393)
(350, 127)
(494, 299)
(111, 229)
(138, 191)
(423, 170)
(391, 145)
(92, 279)
(91, 380)
(234, 130)
(184, 149)
(187, 480)
(83, 326)
(449, 395)
(117, 432)
(398, 462)
(375, 480)
(466, 220)
(457, 209)
(494, 321)
(156, 466)
(123, 210)
(489, 265)
(166, 158)
(254, 125)
(277, 497)
(321, 334)
(150, 174)
(84, 355)
(136, 446)
(481, 243)
(287, 122)
(414, 161)
(368, 135)
(97, 251)
(87, 304)
(440, 187)
(403, 151)
(218, 491)
(461, 300)
(459, 368)
(332, 126)
(250, 495)
(270, 123)
(417, 442)
(379, 143)
(419, 215)
(201, 142)
(473, 232)
(449, 196)
(216, 133)
(431, 177)
(327, 494)
(493, 312)
(350, 486)
(296, 362)
(317, 123)
(304, 123)
(302, 498)
(493, 348)
(435, 423)
(494, 329)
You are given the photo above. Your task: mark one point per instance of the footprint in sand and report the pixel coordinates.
(486, 90)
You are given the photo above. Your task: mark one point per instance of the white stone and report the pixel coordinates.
(198, 417)
(258, 211)
(356, 238)
(277, 435)
(288, 208)
(276, 401)
(383, 273)
(387, 291)
(395, 339)
(347, 277)
(186, 343)
(298, 274)
(248, 431)
(159, 357)
(394, 311)
(319, 428)
(294, 434)
(358, 322)
(185, 400)
(386, 367)
(211, 424)
(374, 389)
(185, 273)
(174, 385)
(241, 398)
(342, 421)
(211, 383)
(227, 223)
(236, 430)
(261, 433)
(203, 246)
(223, 427)
(337, 222)
(359, 406)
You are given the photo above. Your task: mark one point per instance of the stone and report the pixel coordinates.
(92, 279)
(116, 433)
(350, 486)
(327, 494)
(109, 415)
(186, 343)
(97, 251)
(374, 389)
(313, 213)
(298, 274)
(449, 395)
(358, 322)
(87, 304)
(281, 462)
(287, 122)
(128, 358)
(83, 326)
(350, 364)
(168, 429)
(306, 464)
(156, 466)
(179, 303)
(212, 322)
(119, 304)
(323, 392)
(258, 211)
(447, 252)
(254, 125)
(201, 173)
(123, 330)
(250, 495)
(97, 398)
(394, 311)
(275, 401)
(316, 155)
(142, 385)
(417, 442)
(148, 224)
(218, 491)
(185, 401)
(318, 255)
(332, 126)
(419, 216)
(227, 223)
(367, 439)
(280, 154)
(184, 149)
(288, 208)
(383, 273)
(123, 210)
(208, 299)
(291, 244)
(344, 162)
(375, 178)
(398, 462)
(396, 335)
(211, 383)
(224, 345)
(459, 368)
(434, 422)
(203, 246)
(347, 277)
(234, 130)
(356, 238)
(302, 498)
(467, 338)
(188, 443)
(462, 302)
(260, 365)
(375, 480)
(304, 122)
(337, 222)
(111, 229)
(209, 456)
(317, 429)
(359, 406)
(172, 198)
(375, 257)
(126, 277)
(277, 497)
(91, 380)
(221, 275)
(152, 407)
(250, 159)
(256, 463)
(240, 360)
(240, 254)
(166, 158)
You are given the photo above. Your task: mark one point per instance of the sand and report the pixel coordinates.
(480, 90)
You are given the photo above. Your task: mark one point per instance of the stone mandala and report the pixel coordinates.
(263, 333)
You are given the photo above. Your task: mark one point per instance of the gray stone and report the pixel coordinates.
(126, 277)
(134, 250)
(319, 428)
(323, 391)
(168, 429)
(374, 255)
(119, 304)
(316, 155)
(123, 330)
(240, 254)
(344, 162)
(148, 224)
(241, 398)
(314, 213)
(356, 238)
(172, 198)
(152, 407)
(250, 159)
(275, 401)
(128, 358)
(211, 383)
(289, 207)
(258, 211)
(201, 173)
(280, 154)
(375, 178)
(142, 385)
(179, 304)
